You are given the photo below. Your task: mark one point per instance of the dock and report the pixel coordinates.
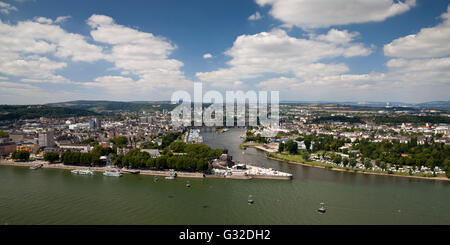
(130, 171)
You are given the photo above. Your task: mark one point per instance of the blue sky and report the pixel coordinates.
(330, 50)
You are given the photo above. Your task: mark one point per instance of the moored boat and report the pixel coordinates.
(82, 172)
(112, 173)
(37, 166)
(322, 208)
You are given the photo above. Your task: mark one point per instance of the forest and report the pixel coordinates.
(15, 112)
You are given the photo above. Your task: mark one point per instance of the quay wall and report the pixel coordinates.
(195, 175)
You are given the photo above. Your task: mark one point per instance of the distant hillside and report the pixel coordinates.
(113, 106)
(15, 112)
(428, 105)
(435, 104)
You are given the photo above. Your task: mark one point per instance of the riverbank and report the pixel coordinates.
(270, 148)
(98, 169)
(319, 165)
(162, 173)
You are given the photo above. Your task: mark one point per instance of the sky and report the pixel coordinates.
(308, 50)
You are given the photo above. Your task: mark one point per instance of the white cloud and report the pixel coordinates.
(6, 8)
(23, 93)
(277, 52)
(255, 16)
(115, 84)
(336, 36)
(62, 19)
(429, 42)
(207, 56)
(43, 20)
(137, 53)
(35, 50)
(34, 68)
(420, 73)
(26, 50)
(325, 13)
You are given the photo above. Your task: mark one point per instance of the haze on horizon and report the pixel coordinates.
(309, 50)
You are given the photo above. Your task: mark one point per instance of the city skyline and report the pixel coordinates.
(308, 50)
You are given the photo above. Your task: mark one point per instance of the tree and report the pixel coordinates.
(90, 141)
(177, 146)
(352, 162)
(117, 160)
(166, 140)
(51, 157)
(20, 155)
(367, 163)
(280, 147)
(307, 142)
(337, 158)
(291, 147)
(345, 161)
(306, 156)
(120, 141)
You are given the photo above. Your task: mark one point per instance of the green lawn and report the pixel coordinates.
(299, 159)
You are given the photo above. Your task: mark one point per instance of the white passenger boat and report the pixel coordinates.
(82, 172)
(112, 173)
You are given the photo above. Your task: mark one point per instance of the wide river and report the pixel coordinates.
(48, 196)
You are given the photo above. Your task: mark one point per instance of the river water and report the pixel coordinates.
(48, 196)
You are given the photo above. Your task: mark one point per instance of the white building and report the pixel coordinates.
(46, 138)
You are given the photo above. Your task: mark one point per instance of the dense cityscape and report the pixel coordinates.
(346, 137)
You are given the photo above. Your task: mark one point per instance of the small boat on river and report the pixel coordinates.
(82, 172)
(112, 173)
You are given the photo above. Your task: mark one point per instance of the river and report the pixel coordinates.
(51, 196)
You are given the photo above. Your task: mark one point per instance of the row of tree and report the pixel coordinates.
(412, 154)
(86, 159)
(194, 158)
(258, 138)
(290, 146)
(141, 160)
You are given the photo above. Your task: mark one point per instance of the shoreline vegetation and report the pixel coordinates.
(315, 164)
(295, 159)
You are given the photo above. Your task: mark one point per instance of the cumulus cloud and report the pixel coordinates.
(36, 50)
(255, 16)
(43, 20)
(325, 13)
(429, 42)
(137, 53)
(422, 58)
(336, 36)
(207, 56)
(277, 52)
(6, 8)
(420, 71)
(62, 19)
(26, 48)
